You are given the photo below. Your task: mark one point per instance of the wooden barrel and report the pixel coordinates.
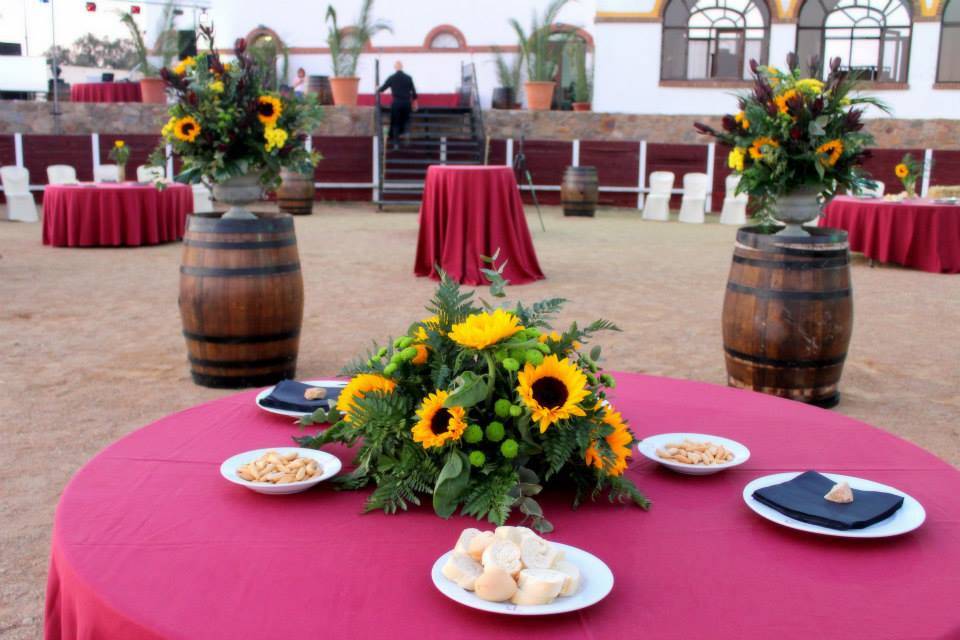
(241, 300)
(295, 194)
(788, 314)
(320, 86)
(578, 193)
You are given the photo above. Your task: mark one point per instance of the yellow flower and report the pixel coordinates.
(275, 138)
(184, 65)
(553, 336)
(736, 158)
(809, 85)
(783, 98)
(269, 109)
(421, 333)
(186, 129)
(484, 329)
(358, 387)
(552, 390)
(438, 424)
(844, 102)
(167, 130)
(119, 144)
(830, 152)
(901, 170)
(216, 86)
(422, 353)
(757, 150)
(619, 442)
(741, 118)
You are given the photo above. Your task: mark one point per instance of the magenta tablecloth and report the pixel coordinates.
(917, 233)
(106, 92)
(150, 542)
(469, 212)
(423, 100)
(109, 215)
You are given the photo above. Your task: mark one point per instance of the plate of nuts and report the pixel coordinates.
(280, 469)
(695, 454)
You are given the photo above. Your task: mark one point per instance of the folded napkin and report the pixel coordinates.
(802, 499)
(288, 395)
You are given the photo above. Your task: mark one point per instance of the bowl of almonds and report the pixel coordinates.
(695, 454)
(280, 470)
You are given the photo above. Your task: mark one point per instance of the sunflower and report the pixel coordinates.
(741, 119)
(119, 144)
(358, 387)
(186, 128)
(736, 158)
(757, 150)
(484, 329)
(275, 138)
(783, 99)
(184, 65)
(269, 109)
(619, 442)
(901, 170)
(438, 424)
(830, 152)
(422, 353)
(552, 390)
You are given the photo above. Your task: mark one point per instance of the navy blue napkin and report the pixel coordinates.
(802, 499)
(288, 395)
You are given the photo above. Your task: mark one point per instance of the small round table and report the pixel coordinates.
(106, 92)
(150, 541)
(114, 214)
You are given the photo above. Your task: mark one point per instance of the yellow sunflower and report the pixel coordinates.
(830, 152)
(619, 441)
(184, 65)
(484, 329)
(358, 387)
(736, 158)
(438, 424)
(901, 170)
(269, 109)
(782, 100)
(552, 390)
(186, 128)
(757, 150)
(422, 353)
(741, 118)
(119, 144)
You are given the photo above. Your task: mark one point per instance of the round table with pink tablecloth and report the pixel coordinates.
(106, 92)
(149, 540)
(114, 214)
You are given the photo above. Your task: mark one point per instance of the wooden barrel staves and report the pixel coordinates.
(788, 314)
(320, 86)
(295, 193)
(578, 193)
(241, 300)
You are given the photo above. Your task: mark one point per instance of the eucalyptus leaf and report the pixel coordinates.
(469, 390)
(452, 480)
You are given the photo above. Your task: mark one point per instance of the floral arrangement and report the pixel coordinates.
(793, 132)
(909, 171)
(479, 408)
(225, 123)
(120, 153)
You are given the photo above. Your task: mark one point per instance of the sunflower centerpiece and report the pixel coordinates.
(797, 139)
(480, 409)
(230, 130)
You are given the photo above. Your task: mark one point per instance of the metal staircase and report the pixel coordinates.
(435, 135)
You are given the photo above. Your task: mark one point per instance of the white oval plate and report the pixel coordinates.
(596, 581)
(649, 445)
(295, 414)
(907, 518)
(327, 461)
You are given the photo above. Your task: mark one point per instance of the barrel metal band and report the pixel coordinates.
(788, 295)
(272, 337)
(829, 263)
(268, 244)
(786, 364)
(242, 271)
(242, 364)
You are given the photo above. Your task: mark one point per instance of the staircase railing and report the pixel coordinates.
(381, 150)
(468, 86)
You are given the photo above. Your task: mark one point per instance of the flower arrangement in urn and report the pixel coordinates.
(479, 408)
(796, 138)
(231, 130)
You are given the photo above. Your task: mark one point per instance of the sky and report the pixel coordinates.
(72, 21)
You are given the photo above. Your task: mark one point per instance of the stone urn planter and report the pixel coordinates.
(345, 91)
(796, 208)
(239, 193)
(153, 90)
(539, 95)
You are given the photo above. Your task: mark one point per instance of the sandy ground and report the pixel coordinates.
(92, 347)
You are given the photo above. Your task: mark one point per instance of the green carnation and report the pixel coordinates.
(516, 410)
(511, 365)
(509, 448)
(495, 431)
(502, 408)
(534, 357)
(477, 458)
(473, 434)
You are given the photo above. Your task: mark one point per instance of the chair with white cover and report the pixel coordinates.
(202, 202)
(657, 204)
(734, 204)
(149, 173)
(61, 174)
(876, 192)
(694, 202)
(16, 190)
(106, 173)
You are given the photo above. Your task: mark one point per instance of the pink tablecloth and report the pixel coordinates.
(150, 542)
(106, 92)
(918, 233)
(130, 214)
(423, 100)
(469, 212)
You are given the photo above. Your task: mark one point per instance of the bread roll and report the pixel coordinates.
(538, 586)
(537, 553)
(840, 493)
(478, 543)
(572, 574)
(513, 534)
(504, 554)
(463, 570)
(495, 585)
(463, 542)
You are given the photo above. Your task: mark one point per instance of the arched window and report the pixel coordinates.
(871, 37)
(713, 39)
(445, 36)
(947, 68)
(445, 40)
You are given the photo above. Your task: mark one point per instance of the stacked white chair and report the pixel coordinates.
(657, 204)
(16, 190)
(876, 192)
(148, 173)
(694, 202)
(202, 202)
(734, 204)
(61, 174)
(106, 173)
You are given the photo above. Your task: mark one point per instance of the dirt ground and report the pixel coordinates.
(92, 346)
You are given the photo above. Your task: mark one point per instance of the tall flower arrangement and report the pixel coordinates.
(908, 171)
(479, 408)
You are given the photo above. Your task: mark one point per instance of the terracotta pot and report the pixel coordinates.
(345, 91)
(153, 90)
(581, 106)
(539, 95)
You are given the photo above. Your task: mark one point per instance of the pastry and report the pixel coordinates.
(495, 585)
(537, 553)
(479, 543)
(841, 493)
(538, 586)
(503, 554)
(315, 393)
(463, 570)
(572, 577)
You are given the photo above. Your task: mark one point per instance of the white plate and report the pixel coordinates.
(649, 445)
(296, 414)
(907, 518)
(596, 581)
(328, 462)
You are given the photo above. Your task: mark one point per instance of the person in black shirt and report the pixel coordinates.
(404, 100)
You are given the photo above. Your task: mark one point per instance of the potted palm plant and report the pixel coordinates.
(541, 59)
(583, 84)
(506, 95)
(346, 45)
(152, 86)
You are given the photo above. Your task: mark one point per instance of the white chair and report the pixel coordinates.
(876, 192)
(734, 204)
(16, 189)
(657, 204)
(61, 174)
(148, 173)
(106, 173)
(694, 202)
(202, 202)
